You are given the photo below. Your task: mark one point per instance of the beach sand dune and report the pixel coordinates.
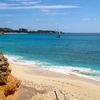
(46, 87)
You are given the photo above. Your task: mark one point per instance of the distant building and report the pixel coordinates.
(23, 30)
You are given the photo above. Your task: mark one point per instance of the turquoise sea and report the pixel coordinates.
(77, 53)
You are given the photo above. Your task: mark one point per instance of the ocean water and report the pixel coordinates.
(72, 53)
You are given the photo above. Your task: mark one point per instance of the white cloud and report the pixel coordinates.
(56, 13)
(27, 3)
(2, 5)
(22, 0)
(18, 3)
(9, 22)
(39, 7)
(31, 2)
(45, 10)
(50, 12)
(33, 5)
(89, 19)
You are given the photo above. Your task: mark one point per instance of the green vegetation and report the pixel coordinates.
(23, 30)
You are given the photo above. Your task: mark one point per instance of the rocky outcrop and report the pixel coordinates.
(8, 83)
(4, 69)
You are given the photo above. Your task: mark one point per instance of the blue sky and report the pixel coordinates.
(65, 15)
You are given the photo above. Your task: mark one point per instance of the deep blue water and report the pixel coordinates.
(71, 50)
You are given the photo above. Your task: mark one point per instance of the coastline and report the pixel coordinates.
(86, 73)
(66, 86)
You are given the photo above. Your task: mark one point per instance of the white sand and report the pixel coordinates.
(47, 83)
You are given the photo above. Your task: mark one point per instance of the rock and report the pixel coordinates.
(11, 86)
(4, 69)
(8, 83)
(8, 90)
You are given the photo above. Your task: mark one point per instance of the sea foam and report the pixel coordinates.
(75, 70)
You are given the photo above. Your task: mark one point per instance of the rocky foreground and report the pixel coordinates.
(8, 83)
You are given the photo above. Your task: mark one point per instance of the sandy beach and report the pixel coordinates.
(40, 84)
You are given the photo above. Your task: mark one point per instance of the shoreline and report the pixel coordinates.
(51, 74)
(69, 70)
(69, 86)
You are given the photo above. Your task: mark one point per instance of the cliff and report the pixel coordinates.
(8, 83)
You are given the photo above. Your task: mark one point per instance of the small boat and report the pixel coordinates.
(59, 35)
